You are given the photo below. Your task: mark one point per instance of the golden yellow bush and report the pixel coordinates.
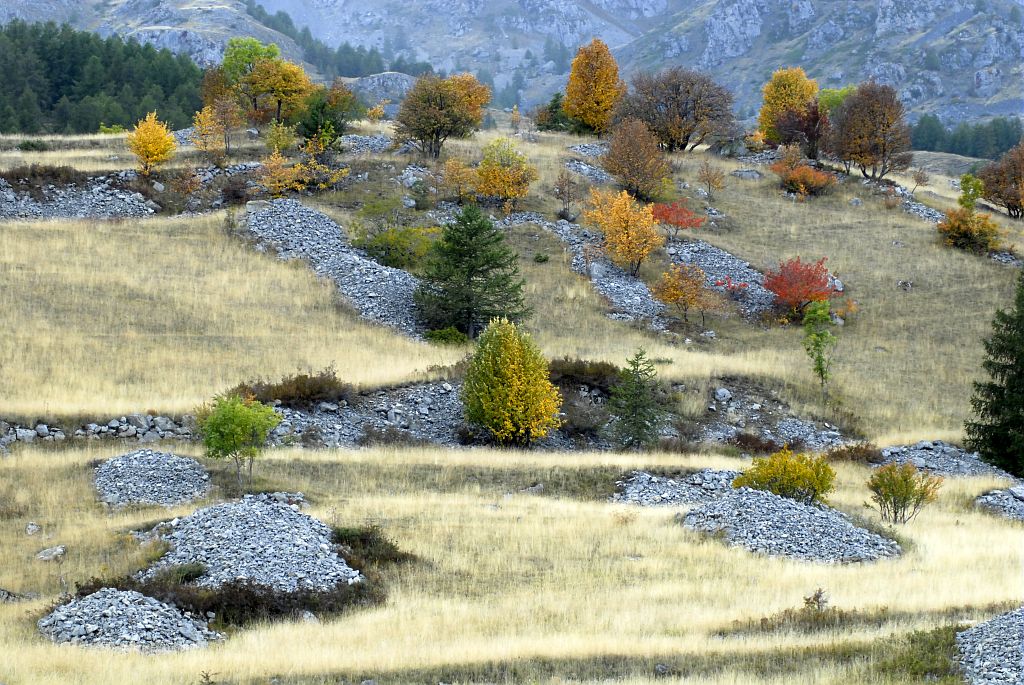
(278, 176)
(504, 173)
(594, 86)
(788, 89)
(802, 477)
(628, 227)
(458, 179)
(208, 134)
(684, 287)
(152, 142)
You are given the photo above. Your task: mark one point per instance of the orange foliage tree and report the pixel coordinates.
(796, 284)
(437, 109)
(787, 90)
(458, 179)
(634, 157)
(677, 216)
(628, 227)
(869, 129)
(684, 286)
(1004, 182)
(594, 87)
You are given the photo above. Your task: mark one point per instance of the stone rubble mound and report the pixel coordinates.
(360, 145)
(768, 524)
(719, 266)
(97, 198)
(136, 427)
(1008, 503)
(647, 490)
(183, 136)
(125, 619)
(589, 171)
(379, 293)
(261, 539)
(630, 298)
(992, 653)
(590, 149)
(943, 459)
(148, 477)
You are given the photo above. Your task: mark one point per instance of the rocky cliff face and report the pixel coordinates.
(958, 58)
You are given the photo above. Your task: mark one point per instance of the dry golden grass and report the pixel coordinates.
(503, 575)
(115, 317)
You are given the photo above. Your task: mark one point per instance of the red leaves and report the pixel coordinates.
(796, 284)
(677, 215)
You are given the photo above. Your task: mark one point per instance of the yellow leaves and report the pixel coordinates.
(504, 172)
(628, 227)
(208, 134)
(594, 86)
(683, 286)
(458, 179)
(279, 136)
(312, 171)
(507, 388)
(376, 113)
(473, 94)
(788, 89)
(278, 177)
(283, 82)
(152, 143)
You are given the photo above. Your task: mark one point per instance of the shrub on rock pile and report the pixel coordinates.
(900, 491)
(801, 477)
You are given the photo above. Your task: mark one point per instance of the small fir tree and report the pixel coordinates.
(507, 388)
(634, 404)
(471, 277)
(997, 430)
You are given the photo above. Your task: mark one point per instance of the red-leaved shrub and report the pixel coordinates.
(796, 284)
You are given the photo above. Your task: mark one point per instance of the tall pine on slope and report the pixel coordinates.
(471, 277)
(997, 432)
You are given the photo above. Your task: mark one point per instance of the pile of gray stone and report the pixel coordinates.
(183, 136)
(629, 297)
(97, 198)
(361, 145)
(1008, 503)
(766, 416)
(765, 523)
(142, 428)
(148, 477)
(262, 539)
(647, 489)
(589, 171)
(992, 653)
(942, 458)
(719, 268)
(379, 293)
(429, 412)
(590, 149)
(126, 620)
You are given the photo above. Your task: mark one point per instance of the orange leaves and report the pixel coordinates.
(684, 287)
(594, 86)
(278, 176)
(677, 216)
(152, 143)
(628, 227)
(788, 89)
(796, 284)
(474, 95)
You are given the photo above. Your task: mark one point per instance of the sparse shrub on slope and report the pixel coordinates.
(857, 452)
(801, 477)
(301, 390)
(968, 230)
(628, 227)
(900, 491)
(401, 247)
(635, 159)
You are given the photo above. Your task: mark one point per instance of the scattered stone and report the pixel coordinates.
(992, 653)
(856, 202)
(378, 292)
(766, 523)
(125, 619)
(719, 268)
(590, 149)
(723, 395)
(52, 553)
(262, 539)
(942, 458)
(32, 528)
(148, 477)
(748, 174)
(96, 198)
(360, 145)
(1008, 503)
(589, 171)
(647, 489)
(7, 596)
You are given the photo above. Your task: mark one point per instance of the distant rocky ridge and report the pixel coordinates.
(960, 59)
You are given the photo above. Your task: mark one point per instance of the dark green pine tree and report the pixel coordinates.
(997, 431)
(635, 405)
(471, 277)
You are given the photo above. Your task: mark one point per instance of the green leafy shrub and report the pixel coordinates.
(801, 477)
(299, 391)
(447, 336)
(401, 248)
(900, 491)
(541, 258)
(236, 428)
(33, 146)
(968, 230)
(113, 129)
(857, 452)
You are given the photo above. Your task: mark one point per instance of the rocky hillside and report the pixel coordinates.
(960, 59)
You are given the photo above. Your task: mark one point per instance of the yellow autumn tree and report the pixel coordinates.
(629, 228)
(376, 113)
(684, 286)
(594, 86)
(208, 135)
(152, 142)
(458, 179)
(474, 96)
(787, 90)
(505, 173)
(507, 389)
(284, 83)
(315, 168)
(278, 177)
